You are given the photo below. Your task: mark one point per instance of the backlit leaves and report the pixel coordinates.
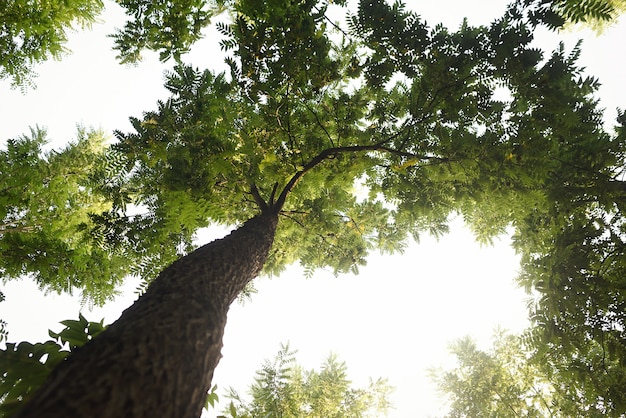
(167, 27)
(33, 31)
(47, 207)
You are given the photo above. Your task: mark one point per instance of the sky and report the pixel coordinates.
(394, 320)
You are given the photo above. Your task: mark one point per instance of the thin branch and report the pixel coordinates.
(292, 143)
(411, 155)
(288, 215)
(273, 194)
(321, 125)
(506, 403)
(294, 212)
(543, 400)
(333, 23)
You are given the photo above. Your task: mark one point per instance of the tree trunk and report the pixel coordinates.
(157, 359)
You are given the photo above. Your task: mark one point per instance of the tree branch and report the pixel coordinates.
(14, 227)
(258, 199)
(335, 151)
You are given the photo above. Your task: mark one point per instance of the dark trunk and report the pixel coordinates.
(157, 360)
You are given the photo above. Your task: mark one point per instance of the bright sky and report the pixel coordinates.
(394, 320)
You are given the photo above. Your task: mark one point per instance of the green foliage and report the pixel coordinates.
(573, 259)
(557, 13)
(281, 45)
(168, 27)
(396, 37)
(32, 31)
(578, 316)
(499, 383)
(24, 367)
(46, 208)
(282, 388)
(77, 332)
(212, 398)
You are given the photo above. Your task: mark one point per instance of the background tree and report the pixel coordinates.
(497, 383)
(506, 382)
(283, 389)
(307, 113)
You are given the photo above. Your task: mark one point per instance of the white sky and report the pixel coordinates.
(394, 320)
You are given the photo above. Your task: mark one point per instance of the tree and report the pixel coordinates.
(308, 111)
(33, 31)
(497, 383)
(506, 381)
(283, 389)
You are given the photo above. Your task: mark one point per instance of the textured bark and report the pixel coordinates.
(157, 360)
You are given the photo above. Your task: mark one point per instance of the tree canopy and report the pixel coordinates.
(427, 121)
(33, 32)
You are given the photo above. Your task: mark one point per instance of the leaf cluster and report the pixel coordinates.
(24, 367)
(167, 27)
(281, 44)
(397, 39)
(32, 31)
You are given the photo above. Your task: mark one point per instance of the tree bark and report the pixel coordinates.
(158, 358)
